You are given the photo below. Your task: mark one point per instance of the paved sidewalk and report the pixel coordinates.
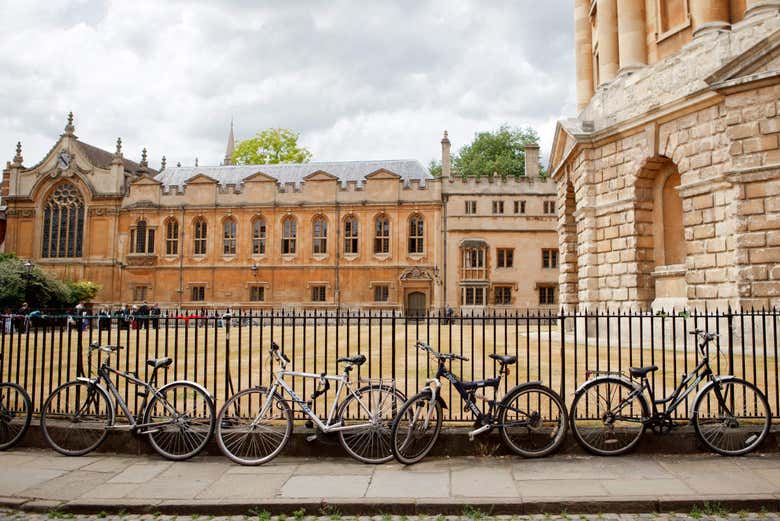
(42, 480)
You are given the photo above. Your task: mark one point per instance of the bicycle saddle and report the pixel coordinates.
(356, 360)
(641, 372)
(159, 362)
(504, 359)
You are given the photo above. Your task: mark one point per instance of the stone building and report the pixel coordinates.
(355, 234)
(669, 178)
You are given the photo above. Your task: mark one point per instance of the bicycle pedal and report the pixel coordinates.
(312, 437)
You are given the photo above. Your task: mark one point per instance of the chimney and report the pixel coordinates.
(531, 160)
(446, 167)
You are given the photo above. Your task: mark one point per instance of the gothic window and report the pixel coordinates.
(289, 235)
(258, 236)
(201, 230)
(229, 236)
(63, 223)
(416, 234)
(320, 236)
(351, 235)
(382, 235)
(171, 237)
(141, 238)
(474, 266)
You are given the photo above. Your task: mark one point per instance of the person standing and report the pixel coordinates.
(155, 313)
(143, 316)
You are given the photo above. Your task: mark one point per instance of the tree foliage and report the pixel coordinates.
(498, 152)
(39, 288)
(271, 146)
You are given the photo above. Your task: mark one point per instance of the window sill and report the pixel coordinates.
(416, 256)
(319, 256)
(287, 257)
(350, 256)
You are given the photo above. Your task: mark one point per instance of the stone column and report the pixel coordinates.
(583, 45)
(631, 34)
(606, 22)
(532, 160)
(709, 16)
(755, 7)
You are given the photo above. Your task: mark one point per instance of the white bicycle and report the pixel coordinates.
(255, 425)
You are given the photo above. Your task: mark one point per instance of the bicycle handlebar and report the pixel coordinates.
(277, 352)
(106, 349)
(440, 356)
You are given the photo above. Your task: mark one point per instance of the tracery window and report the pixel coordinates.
(229, 236)
(382, 236)
(258, 236)
(201, 229)
(141, 238)
(351, 235)
(63, 223)
(416, 229)
(320, 236)
(171, 237)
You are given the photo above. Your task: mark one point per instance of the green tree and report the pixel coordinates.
(271, 146)
(39, 288)
(500, 151)
(434, 167)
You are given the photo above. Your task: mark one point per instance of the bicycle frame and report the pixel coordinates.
(104, 372)
(327, 426)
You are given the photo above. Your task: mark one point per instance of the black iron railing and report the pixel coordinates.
(228, 352)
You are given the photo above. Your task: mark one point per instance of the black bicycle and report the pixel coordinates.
(178, 418)
(15, 413)
(531, 418)
(610, 412)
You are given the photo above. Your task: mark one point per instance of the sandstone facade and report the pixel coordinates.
(366, 234)
(669, 178)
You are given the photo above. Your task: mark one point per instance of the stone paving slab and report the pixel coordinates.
(42, 480)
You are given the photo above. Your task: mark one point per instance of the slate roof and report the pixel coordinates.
(345, 171)
(102, 159)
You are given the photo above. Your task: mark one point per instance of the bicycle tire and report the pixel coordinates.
(190, 432)
(13, 422)
(534, 432)
(402, 436)
(378, 432)
(232, 436)
(744, 441)
(599, 426)
(54, 420)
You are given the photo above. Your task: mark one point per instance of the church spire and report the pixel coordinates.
(231, 146)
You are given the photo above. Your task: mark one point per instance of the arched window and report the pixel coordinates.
(258, 236)
(320, 236)
(201, 230)
(416, 229)
(141, 238)
(289, 235)
(229, 236)
(351, 235)
(382, 235)
(63, 223)
(171, 237)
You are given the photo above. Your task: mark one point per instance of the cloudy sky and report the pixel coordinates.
(359, 79)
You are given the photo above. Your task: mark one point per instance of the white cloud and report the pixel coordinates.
(357, 79)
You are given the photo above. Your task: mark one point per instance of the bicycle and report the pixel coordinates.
(623, 412)
(362, 419)
(177, 418)
(531, 418)
(15, 413)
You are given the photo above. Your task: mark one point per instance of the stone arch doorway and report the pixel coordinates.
(661, 256)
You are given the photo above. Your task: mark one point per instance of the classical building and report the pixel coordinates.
(669, 178)
(356, 234)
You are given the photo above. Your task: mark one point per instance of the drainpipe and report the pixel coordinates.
(182, 227)
(338, 254)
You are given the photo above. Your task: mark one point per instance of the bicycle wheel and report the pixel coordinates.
(416, 428)
(75, 418)
(179, 420)
(15, 414)
(532, 420)
(248, 438)
(604, 421)
(735, 425)
(371, 413)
